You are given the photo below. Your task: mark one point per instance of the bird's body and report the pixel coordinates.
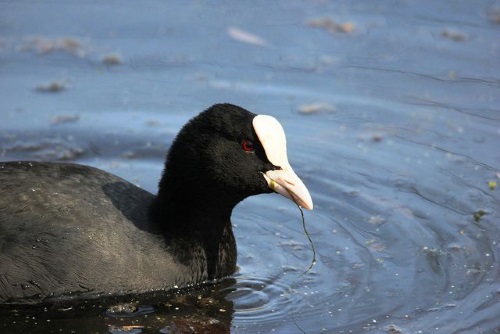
(73, 230)
(45, 254)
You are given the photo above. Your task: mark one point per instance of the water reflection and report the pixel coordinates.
(204, 310)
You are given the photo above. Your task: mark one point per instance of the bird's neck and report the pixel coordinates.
(198, 231)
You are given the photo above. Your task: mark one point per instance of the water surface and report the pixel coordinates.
(393, 122)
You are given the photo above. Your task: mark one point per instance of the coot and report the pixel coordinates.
(73, 231)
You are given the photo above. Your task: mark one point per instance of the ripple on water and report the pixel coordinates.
(260, 298)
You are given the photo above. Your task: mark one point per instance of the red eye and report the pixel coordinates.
(247, 145)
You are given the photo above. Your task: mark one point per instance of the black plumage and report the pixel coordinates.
(73, 230)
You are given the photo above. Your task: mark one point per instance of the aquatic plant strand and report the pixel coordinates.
(313, 262)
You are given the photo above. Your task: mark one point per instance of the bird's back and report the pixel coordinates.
(72, 229)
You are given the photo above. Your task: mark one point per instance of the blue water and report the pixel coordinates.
(393, 125)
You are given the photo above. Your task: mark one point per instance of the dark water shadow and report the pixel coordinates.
(200, 310)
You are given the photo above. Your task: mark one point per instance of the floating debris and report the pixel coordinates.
(129, 329)
(331, 26)
(455, 36)
(129, 155)
(492, 185)
(51, 149)
(393, 329)
(153, 124)
(292, 245)
(456, 246)
(376, 220)
(245, 37)
(65, 154)
(60, 119)
(494, 16)
(375, 135)
(52, 87)
(315, 108)
(473, 271)
(375, 245)
(112, 59)
(68, 45)
(452, 75)
(478, 215)
(124, 308)
(432, 251)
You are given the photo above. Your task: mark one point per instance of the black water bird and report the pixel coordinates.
(73, 231)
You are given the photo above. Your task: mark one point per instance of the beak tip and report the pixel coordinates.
(308, 205)
(289, 185)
